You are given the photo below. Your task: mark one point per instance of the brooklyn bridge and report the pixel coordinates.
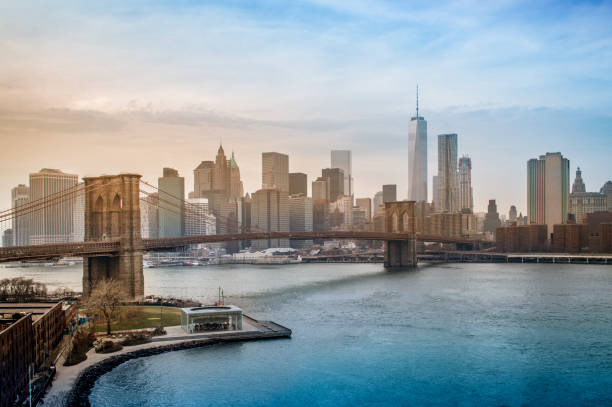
(113, 246)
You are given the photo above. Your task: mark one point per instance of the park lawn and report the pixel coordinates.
(140, 317)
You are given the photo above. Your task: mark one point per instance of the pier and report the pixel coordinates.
(492, 257)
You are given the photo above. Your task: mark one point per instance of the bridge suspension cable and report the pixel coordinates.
(189, 207)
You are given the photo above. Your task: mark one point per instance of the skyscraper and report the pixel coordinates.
(492, 221)
(320, 189)
(275, 171)
(270, 213)
(342, 159)
(320, 215)
(434, 188)
(220, 177)
(171, 207)
(198, 221)
(548, 190)
(343, 206)
(20, 196)
(236, 189)
(378, 203)
(149, 216)
(582, 202)
(365, 204)
(606, 189)
(512, 216)
(78, 218)
(298, 183)
(389, 193)
(300, 218)
(335, 178)
(203, 177)
(578, 185)
(54, 223)
(447, 173)
(417, 157)
(7, 238)
(465, 184)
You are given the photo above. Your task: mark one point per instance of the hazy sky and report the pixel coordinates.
(104, 87)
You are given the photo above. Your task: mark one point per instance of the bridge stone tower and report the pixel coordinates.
(112, 212)
(400, 218)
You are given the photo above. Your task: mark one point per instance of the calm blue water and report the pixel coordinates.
(453, 335)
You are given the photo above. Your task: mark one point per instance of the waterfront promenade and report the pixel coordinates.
(68, 377)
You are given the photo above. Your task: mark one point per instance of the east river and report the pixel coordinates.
(444, 335)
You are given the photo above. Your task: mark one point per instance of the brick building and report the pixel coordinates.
(521, 239)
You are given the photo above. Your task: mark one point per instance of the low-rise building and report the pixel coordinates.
(29, 334)
(570, 238)
(521, 239)
(605, 236)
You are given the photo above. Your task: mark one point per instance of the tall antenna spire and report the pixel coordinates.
(417, 115)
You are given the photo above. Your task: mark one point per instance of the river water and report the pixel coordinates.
(458, 335)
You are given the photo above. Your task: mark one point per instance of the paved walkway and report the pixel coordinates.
(65, 376)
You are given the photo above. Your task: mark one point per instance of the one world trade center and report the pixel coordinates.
(417, 157)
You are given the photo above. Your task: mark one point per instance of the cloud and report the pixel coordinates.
(57, 121)
(161, 84)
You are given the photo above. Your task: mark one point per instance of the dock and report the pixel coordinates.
(493, 257)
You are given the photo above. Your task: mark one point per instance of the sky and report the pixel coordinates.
(105, 87)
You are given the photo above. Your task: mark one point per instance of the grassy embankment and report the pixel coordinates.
(140, 317)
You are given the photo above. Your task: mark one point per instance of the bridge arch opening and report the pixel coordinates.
(98, 218)
(394, 223)
(115, 224)
(405, 223)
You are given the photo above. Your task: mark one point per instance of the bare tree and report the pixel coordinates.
(105, 299)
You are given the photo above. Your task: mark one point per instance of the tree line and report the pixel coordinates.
(21, 289)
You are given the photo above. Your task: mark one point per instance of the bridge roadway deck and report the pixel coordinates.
(113, 247)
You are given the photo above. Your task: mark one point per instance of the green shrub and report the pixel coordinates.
(108, 347)
(158, 331)
(137, 338)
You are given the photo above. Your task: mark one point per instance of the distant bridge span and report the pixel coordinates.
(113, 247)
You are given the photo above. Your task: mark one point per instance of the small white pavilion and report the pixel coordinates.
(211, 318)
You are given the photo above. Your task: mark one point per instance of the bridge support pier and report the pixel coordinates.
(399, 218)
(112, 211)
(400, 253)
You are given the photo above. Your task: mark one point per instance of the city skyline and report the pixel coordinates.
(263, 189)
(127, 111)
